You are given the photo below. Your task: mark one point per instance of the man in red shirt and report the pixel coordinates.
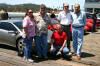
(58, 41)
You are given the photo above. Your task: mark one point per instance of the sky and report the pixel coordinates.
(48, 3)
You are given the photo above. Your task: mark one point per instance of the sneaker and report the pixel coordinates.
(30, 60)
(58, 53)
(79, 57)
(24, 58)
(69, 53)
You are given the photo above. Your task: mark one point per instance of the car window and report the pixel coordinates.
(7, 26)
(18, 24)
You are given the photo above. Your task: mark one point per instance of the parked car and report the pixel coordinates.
(11, 34)
(89, 22)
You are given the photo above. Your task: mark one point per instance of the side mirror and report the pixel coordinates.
(11, 32)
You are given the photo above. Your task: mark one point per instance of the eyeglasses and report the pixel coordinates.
(30, 12)
(66, 6)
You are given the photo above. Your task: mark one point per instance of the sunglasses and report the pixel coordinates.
(30, 12)
(66, 6)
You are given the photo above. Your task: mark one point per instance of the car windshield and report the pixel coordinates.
(19, 25)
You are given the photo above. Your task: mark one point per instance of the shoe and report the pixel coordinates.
(74, 54)
(30, 60)
(24, 57)
(69, 53)
(58, 53)
(79, 57)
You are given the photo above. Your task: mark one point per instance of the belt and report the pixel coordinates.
(77, 26)
(66, 25)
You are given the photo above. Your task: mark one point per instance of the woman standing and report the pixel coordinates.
(28, 33)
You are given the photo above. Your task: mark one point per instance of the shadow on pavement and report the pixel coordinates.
(7, 47)
(51, 57)
(86, 33)
(37, 60)
(84, 55)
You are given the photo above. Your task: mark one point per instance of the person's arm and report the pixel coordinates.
(58, 21)
(51, 49)
(84, 19)
(63, 46)
(59, 18)
(26, 32)
(64, 43)
(25, 23)
(52, 42)
(71, 18)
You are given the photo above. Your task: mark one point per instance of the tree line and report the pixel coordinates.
(21, 7)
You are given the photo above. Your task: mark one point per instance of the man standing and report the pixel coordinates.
(64, 18)
(79, 21)
(42, 21)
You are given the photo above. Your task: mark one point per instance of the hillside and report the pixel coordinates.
(20, 7)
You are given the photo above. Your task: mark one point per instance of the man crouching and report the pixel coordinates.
(58, 41)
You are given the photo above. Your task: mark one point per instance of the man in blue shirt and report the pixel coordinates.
(78, 24)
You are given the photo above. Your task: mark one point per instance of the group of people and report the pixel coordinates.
(37, 27)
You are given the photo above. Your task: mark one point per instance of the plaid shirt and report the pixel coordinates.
(42, 24)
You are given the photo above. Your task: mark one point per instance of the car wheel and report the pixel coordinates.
(20, 46)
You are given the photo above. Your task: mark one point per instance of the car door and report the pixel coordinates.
(3, 33)
(11, 34)
(10, 37)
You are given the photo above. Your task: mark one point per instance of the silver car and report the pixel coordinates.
(11, 33)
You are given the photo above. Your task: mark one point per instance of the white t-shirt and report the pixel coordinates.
(65, 19)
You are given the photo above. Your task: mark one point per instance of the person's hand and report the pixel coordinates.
(60, 49)
(51, 49)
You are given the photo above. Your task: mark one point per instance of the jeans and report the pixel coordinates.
(64, 51)
(28, 47)
(77, 36)
(41, 44)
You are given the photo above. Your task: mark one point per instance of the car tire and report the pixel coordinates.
(20, 46)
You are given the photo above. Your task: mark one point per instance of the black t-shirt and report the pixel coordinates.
(52, 15)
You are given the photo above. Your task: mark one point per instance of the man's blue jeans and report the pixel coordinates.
(41, 44)
(64, 51)
(28, 47)
(77, 36)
